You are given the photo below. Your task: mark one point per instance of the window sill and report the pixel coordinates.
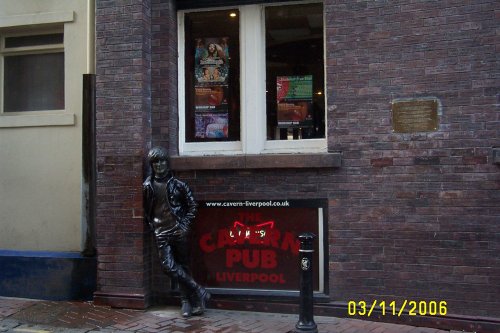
(37, 120)
(267, 161)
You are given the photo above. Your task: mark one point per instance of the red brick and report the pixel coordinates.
(420, 205)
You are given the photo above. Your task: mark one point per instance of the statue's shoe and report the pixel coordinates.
(186, 309)
(201, 304)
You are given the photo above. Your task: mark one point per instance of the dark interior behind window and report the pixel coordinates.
(212, 65)
(34, 82)
(295, 72)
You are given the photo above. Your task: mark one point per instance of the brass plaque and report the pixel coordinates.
(417, 115)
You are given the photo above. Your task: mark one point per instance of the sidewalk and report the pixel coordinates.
(35, 316)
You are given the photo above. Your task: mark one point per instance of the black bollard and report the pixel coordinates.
(306, 321)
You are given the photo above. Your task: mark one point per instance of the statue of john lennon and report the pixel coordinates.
(170, 209)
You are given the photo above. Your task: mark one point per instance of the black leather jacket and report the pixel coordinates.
(182, 204)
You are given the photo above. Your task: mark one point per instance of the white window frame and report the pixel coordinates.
(252, 91)
(32, 25)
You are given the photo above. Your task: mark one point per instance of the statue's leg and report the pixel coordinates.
(167, 259)
(186, 306)
(181, 256)
(171, 268)
(196, 294)
(199, 294)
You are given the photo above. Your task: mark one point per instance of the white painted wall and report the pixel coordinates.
(40, 152)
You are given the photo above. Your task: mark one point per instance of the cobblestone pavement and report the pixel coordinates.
(35, 316)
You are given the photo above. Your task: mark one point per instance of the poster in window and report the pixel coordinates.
(211, 71)
(211, 125)
(211, 61)
(294, 98)
(210, 99)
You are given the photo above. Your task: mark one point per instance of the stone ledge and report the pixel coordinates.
(120, 300)
(267, 161)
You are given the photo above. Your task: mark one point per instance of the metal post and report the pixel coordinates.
(306, 321)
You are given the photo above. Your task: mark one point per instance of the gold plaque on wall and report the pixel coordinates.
(415, 115)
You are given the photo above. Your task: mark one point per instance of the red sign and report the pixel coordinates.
(253, 244)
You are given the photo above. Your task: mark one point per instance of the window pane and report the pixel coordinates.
(34, 82)
(212, 76)
(36, 40)
(295, 72)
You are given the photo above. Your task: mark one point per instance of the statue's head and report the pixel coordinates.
(158, 160)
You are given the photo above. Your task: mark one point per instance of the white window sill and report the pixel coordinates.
(39, 119)
(309, 146)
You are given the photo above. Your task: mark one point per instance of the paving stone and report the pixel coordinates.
(8, 324)
(84, 317)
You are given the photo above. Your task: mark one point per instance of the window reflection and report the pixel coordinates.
(295, 72)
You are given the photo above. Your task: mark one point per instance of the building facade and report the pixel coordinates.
(387, 147)
(47, 47)
(411, 192)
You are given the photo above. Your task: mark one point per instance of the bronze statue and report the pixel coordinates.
(170, 209)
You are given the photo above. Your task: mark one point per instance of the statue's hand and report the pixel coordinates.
(181, 230)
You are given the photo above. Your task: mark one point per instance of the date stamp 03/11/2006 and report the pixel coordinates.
(393, 308)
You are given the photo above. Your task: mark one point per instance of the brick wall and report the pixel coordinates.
(164, 116)
(123, 77)
(164, 75)
(411, 216)
(414, 216)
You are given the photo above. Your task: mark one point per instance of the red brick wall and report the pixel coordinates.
(123, 127)
(164, 116)
(414, 216)
(411, 216)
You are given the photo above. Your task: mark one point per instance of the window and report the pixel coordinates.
(212, 76)
(295, 72)
(33, 72)
(251, 79)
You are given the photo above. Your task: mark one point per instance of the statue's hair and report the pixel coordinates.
(156, 154)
